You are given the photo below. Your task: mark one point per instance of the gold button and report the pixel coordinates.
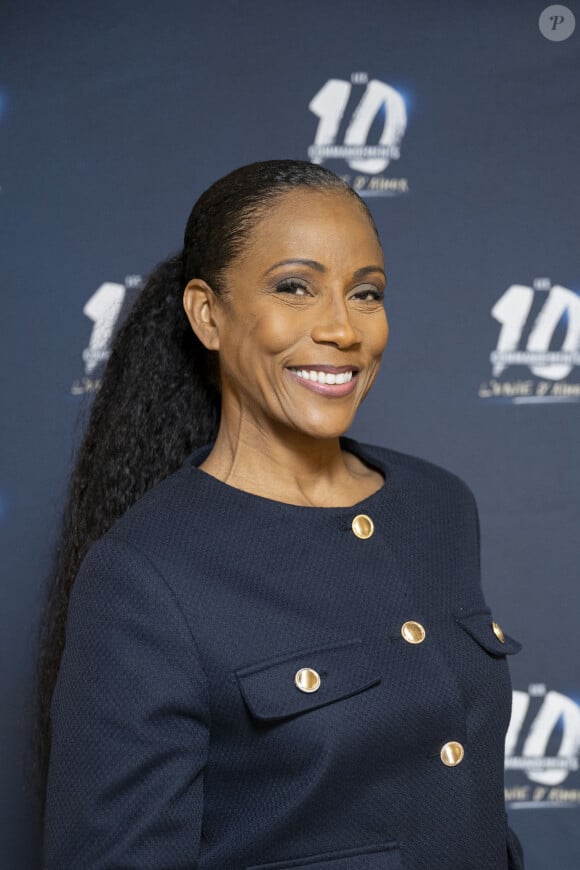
(307, 680)
(363, 526)
(452, 754)
(498, 632)
(413, 632)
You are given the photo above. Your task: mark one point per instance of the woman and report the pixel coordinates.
(279, 655)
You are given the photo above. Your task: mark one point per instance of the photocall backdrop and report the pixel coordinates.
(458, 121)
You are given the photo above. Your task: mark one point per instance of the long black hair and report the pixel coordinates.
(159, 396)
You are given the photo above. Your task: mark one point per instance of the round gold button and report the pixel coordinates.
(363, 526)
(307, 680)
(452, 754)
(413, 632)
(498, 632)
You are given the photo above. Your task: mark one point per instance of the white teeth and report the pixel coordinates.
(324, 377)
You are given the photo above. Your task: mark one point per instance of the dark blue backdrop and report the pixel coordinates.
(115, 116)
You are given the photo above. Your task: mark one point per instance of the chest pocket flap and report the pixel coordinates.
(488, 634)
(328, 674)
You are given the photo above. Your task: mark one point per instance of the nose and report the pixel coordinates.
(333, 324)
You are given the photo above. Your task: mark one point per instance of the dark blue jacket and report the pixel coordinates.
(251, 684)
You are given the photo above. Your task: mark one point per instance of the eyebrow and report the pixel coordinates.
(314, 264)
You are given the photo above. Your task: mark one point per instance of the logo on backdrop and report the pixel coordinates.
(537, 356)
(103, 308)
(542, 750)
(351, 114)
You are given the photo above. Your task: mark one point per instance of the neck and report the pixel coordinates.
(295, 468)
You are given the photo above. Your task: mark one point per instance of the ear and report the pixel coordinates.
(200, 303)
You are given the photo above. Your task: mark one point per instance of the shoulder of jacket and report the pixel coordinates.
(414, 468)
(158, 515)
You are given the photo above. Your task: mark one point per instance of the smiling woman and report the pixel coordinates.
(266, 645)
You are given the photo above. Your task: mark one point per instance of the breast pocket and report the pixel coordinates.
(288, 685)
(312, 708)
(483, 628)
(385, 856)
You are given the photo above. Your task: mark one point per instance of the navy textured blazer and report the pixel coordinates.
(251, 684)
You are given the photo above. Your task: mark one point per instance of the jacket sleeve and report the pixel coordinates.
(130, 724)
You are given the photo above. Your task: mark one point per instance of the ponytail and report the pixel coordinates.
(157, 402)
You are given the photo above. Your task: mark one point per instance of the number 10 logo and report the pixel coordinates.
(379, 99)
(512, 310)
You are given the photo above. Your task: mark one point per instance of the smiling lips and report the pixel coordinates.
(326, 380)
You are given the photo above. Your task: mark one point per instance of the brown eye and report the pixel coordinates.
(292, 285)
(369, 294)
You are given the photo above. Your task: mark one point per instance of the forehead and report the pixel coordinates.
(313, 224)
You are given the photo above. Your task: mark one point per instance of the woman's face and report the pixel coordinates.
(302, 326)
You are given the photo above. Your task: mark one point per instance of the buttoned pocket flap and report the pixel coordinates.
(328, 674)
(488, 634)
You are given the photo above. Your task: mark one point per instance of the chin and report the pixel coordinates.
(324, 430)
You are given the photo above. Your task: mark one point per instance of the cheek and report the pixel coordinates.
(277, 332)
(378, 334)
